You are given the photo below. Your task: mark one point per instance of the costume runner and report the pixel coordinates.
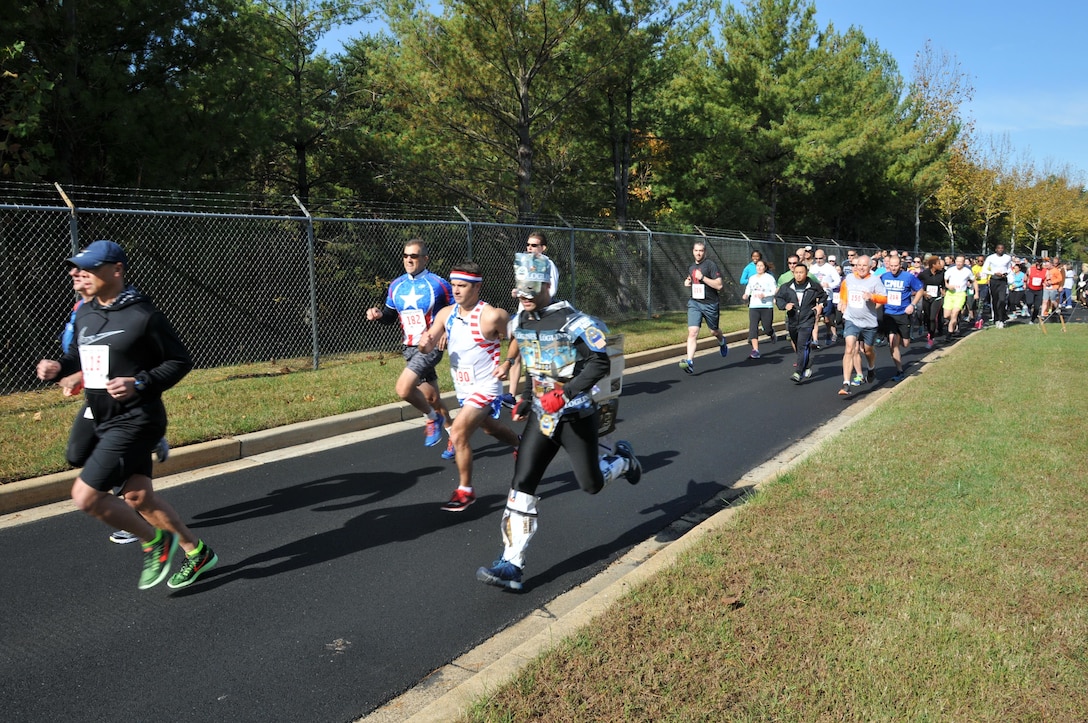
(566, 355)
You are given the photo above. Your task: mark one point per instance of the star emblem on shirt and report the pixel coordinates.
(411, 299)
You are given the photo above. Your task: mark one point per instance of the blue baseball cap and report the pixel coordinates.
(98, 253)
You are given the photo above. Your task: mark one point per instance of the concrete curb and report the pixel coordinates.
(25, 494)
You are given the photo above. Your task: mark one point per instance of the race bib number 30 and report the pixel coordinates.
(95, 360)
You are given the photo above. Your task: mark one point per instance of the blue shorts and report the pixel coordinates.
(866, 334)
(700, 311)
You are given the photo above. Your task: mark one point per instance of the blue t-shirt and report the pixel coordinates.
(901, 289)
(416, 300)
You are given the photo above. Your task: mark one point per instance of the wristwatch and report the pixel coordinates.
(140, 384)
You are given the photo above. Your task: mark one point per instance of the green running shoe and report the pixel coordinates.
(193, 567)
(157, 557)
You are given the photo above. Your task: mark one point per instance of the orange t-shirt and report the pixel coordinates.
(1055, 277)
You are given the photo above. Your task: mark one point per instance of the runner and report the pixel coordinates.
(81, 438)
(705, 281)
(860, 294)
(473, 330)
(932, 278)
(997, 268)
(414, 298)
(564, 352)
(957, 280)
(828, 276)
(904, 293)
(129, 355)
(802, 299)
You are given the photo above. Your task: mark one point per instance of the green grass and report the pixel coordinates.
(219, 403)
(928, 564)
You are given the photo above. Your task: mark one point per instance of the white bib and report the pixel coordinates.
(415, 322)
(95, 360)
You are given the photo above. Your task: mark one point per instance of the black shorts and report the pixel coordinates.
(123, 447)
(898, 324)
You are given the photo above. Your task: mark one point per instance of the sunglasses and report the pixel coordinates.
(820, 257)
(412, 256)
(533, 246)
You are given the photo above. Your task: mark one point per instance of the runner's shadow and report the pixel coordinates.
(347, 491)
(374, 527)
(602, 554)
(635, 388)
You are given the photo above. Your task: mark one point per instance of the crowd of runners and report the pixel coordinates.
(562, 366)
(888, 299)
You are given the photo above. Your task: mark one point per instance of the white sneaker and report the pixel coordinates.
(123, 537)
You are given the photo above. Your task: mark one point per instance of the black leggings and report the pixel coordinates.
(577, 435)
(933, 311)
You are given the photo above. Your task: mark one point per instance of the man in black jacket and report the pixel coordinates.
(565, 354)
(129, 355)
(801, 299)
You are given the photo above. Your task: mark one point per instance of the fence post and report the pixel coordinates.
(468, 240)
(573, 275)
(649, 270)
(73, 219)
(313, 279)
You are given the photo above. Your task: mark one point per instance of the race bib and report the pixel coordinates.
(698, 291)
(414, 321)
(95, 360)
(894, 297)
(855, 300)
(463, 377)
(931, 290)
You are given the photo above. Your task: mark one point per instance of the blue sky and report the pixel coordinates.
(1026, 61)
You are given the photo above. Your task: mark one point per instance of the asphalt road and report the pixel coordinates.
(341, 583)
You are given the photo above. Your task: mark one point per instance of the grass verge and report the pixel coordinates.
(223, 402)
(927, 565)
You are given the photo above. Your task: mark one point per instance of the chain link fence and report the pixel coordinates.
(245, 281)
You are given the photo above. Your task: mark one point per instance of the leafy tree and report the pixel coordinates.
(24, 96)
(933, 122)
(305, 98)
(484, 88)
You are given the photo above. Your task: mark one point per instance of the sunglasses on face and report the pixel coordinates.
(412, 256)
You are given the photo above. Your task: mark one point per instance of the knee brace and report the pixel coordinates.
(518, 526)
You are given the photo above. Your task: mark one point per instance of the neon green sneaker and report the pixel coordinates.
(196, 564)
(157, 557)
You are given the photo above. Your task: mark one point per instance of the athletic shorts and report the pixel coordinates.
(954, 300)
(123, 448)
(1050, 294)
(700, 311)
(866, 334)
(493, 405)
(898, 324)
(423, 364)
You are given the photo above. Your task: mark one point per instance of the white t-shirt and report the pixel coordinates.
(762, 286)
(957, 279)
(995, 264)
